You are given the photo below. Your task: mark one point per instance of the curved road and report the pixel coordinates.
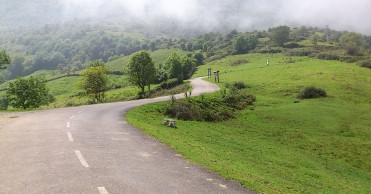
(92, 149)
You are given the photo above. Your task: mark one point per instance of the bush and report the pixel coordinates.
(300, 52)
(366, 63)
(239, 100)
(200, 110)
(4, 103)
(350, 59)
(311, 92)
(292, 45)
(170, 83)
(270, 50)
(236, 85)
(328, 56)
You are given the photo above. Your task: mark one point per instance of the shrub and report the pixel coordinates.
(292, 45)
(236, 85)
(4, 103)
(239, 100)
(350, 59)
(311, 92)
(328, 56)
(300, 52)
(239, 62)
(270, 50)
(170, 83)
(366, 63)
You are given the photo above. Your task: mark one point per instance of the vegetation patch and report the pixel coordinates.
(216, 108)
(312, 92)
(365, 63)
(239, 62)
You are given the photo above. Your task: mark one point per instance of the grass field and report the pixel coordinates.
(66, 90)
(277, 146)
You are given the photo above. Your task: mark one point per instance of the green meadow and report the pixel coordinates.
(277, 146)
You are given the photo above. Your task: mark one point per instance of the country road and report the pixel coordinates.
(92, 149)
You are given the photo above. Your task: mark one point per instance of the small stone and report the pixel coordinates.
(296, 101)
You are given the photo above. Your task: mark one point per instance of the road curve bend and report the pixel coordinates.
(92, 149)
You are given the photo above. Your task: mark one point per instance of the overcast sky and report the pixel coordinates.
(352, 15)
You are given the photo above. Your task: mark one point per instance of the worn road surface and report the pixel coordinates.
(92, 149)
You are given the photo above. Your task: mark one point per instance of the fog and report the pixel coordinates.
(351, 15)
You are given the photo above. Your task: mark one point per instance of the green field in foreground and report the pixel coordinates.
(277, 146)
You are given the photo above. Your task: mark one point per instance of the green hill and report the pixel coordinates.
(278, 146)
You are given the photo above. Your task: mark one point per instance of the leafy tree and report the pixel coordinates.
(199, 58)
(28, 93)
(314, 40)
(96, 63)
(95, 81)
(245, 43)
(352, 43)
(189, 66)
(4, 59)
(280, 35)
(142, 70)
(174, 64)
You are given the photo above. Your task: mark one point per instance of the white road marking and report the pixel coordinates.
(72, 116)
(81, 158)
(70, 136)
(68, 124)
(102, 190)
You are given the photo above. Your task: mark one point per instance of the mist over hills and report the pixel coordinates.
(206, 15)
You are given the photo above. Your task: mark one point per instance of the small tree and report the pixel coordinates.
(142, 70)
(245, 43)
(314, 40)
(352, 43)
(280, 35)
(174, 64)
(4, 59)
(189, 66)
(94, 82)
(28, 93)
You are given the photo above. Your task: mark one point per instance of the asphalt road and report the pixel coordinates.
(92, 149)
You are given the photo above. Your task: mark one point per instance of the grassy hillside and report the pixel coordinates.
(68, 93)
(158, 56)
(278, 146)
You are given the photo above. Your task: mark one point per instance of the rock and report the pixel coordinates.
(296, 101)
(169, 122)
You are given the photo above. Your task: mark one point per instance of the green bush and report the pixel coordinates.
(311, 92)
(210, 109)
(239, 100)
(350, 59)
(236, 85)
(200, 110)
(328, 56)
(291, 45)
(4, 103)
(170, 83)
(269, 50)
(300, 52)
(366, 63)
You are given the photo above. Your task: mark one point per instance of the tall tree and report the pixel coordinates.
(4, 59)
(28, 93)
(142, 70)
(95, 81)
(280, 35)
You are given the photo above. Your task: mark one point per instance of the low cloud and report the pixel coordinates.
(240, 14)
